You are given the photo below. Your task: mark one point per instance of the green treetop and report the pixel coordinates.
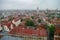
(51, 27)
(29, 23)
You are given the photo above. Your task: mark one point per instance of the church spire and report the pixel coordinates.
(37, 10)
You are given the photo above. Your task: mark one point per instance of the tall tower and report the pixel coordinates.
(37, 10)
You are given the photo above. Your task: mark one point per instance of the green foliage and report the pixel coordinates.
(32, 17)
(29, 23)
(2, 17)
(11, 18)
(39, 20)
(51, 30)
(51, 27)
(58, 15)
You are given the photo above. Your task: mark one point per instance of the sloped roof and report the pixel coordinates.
(29, 32)
(16, 19)
(7, 23)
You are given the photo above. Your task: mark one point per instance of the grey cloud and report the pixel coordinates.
(21, 4)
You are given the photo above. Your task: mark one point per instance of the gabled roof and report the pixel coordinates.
(8, 24)
(16, 19)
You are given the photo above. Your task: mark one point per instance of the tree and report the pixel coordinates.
(32, 17)
(11, 18)
(50, 30)
(2, 17)
(39, 20)
(30, 23)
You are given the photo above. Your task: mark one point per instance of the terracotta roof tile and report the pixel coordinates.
(29, 32)
(16, 19)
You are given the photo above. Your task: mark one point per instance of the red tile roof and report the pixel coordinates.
(24, 31)
(8, 24)
(16, 19)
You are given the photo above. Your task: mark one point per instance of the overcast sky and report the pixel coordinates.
(29, 4)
